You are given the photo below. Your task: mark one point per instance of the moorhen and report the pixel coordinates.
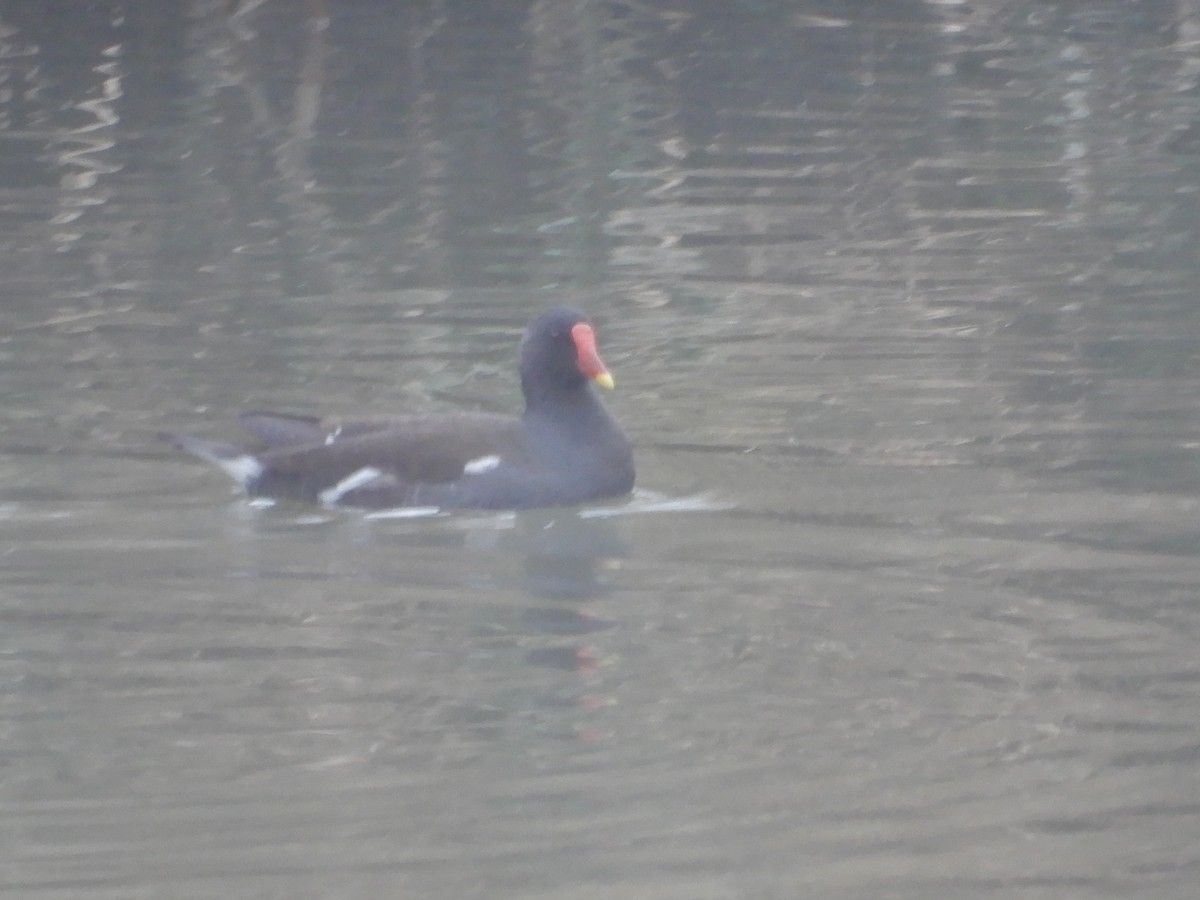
(565, 448)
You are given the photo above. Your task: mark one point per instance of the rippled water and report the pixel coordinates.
(899, 301)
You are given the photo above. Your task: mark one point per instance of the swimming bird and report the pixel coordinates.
(564, 449)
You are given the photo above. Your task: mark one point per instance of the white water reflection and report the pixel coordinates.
(648, 501)
(419, 512)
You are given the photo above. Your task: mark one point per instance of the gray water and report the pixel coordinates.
(899, 299)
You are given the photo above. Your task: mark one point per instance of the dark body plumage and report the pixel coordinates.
(565, 448)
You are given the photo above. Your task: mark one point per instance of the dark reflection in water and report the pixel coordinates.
(900, 301)
(564, 556)
(563, 553)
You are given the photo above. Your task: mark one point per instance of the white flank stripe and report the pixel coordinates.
(351, 482)
(333, 435)
(480, 465)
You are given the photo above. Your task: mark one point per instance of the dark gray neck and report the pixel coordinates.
(544, 399)
(575, 410)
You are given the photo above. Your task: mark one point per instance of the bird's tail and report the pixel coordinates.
(240, 465)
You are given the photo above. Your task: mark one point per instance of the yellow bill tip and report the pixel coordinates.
(604, 380)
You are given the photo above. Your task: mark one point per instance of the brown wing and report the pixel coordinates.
(288, 430)
(413, 449)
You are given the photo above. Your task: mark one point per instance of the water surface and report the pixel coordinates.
(899, 301)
